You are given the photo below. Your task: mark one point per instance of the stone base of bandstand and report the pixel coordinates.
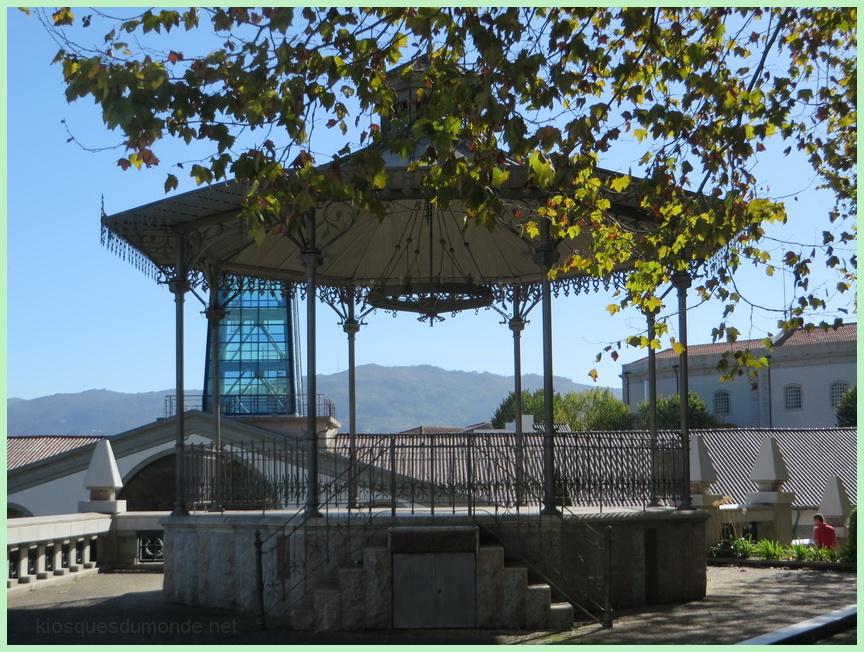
(338, 572)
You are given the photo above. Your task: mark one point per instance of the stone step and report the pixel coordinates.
(344, 604)
(327, 607)
(538, 600)
(560, 617)
(514, 582)
(378, 588)
(489, 596)
(352, 597)
(303, 617)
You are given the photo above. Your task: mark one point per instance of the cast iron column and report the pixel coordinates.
(351, 327)
(681, 281)
(545, 257)
(311, 259)
(650, 316)
(215, 313)
(517, 325)
(179, 286)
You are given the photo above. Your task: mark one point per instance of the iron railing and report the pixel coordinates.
(446, 471)
(380, 471)
(257, 404)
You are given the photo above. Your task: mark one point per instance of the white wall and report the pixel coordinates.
(61, 496)
(814, 367)
(815, 379)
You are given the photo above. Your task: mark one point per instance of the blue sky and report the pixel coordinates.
(81, 318)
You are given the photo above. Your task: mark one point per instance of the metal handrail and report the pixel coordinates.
(256, 404)
(327, 499)
(470, 471)
(535, 492)
(615, 469)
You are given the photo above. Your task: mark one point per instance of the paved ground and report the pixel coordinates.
(128, 608)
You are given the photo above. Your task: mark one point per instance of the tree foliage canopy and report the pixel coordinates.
(532, 403)
(847, 408)
(669, 413)
(589, 410)
(690, 97)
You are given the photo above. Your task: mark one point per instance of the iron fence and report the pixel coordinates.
(255, 404)
(445, 471)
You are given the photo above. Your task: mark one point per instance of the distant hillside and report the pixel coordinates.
(389, 399)
(94, 412)
(392, 399)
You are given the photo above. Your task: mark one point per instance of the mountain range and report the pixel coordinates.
(389, 399)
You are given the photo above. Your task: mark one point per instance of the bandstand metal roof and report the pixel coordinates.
(413, 243)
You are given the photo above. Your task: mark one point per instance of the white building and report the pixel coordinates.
(807, 375)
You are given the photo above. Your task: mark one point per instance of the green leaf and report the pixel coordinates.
(620, 183)
(542, 170)
(63, 16)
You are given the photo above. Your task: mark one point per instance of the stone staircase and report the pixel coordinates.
(360, 597)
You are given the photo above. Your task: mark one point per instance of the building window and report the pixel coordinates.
(837, 390)
(722, 402)
(792, 397)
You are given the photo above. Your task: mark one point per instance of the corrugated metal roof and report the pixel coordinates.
(812, 455)
(611, 467)
(32, 448)
(434, 430)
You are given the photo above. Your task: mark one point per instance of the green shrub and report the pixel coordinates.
(769, 550)
(847, 408)
(734, 548)
(850, 550)
(826, 554)
(801, 552)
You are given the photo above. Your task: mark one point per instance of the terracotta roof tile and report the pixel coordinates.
(715, 348)
(845, 333)
(798, 337)
(22, 450)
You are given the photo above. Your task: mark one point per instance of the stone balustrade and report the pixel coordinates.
(41, 546)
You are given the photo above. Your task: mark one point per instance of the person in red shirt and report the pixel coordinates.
(823, 534)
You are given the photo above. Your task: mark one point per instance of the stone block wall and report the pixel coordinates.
(657, 556)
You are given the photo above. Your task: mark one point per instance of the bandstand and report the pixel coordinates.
(488, 529)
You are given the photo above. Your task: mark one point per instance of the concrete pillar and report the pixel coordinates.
(835, 505)
(85, 554)
(702, 476)
(102, 480)
(769, 472)
(23, 559)
(74, 565)
(58, 558)
(41, 573)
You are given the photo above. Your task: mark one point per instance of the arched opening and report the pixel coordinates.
(151, 487)
(16, 511)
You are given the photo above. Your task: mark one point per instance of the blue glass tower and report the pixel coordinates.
(258, 355)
